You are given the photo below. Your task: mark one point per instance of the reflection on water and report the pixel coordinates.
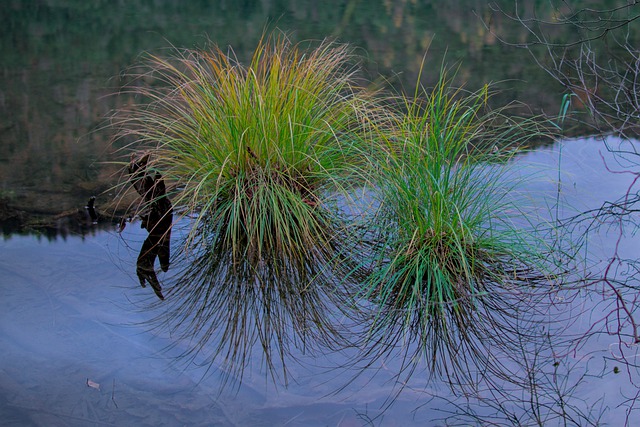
(84, 220)
(67, 318)
(157, 218)
(61, 61)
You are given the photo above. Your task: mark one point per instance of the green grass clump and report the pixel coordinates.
(282, 127)
(450, 259)
(265, 160)
(256, 155)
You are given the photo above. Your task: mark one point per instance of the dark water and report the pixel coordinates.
(72, 309)
(62, 63)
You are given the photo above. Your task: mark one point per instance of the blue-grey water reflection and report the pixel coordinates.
(70, 316)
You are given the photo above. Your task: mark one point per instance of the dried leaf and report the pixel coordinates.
(93, 384)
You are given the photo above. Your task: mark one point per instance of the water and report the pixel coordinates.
(64, 64)
(73, 312)
(68, 318)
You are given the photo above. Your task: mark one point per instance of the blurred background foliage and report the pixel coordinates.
(62, 62)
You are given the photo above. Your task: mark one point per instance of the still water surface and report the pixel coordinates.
(73, 311)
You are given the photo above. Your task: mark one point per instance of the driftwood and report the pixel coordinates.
(157, 218)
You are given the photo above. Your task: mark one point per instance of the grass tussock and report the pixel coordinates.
(256, 155)
(262, 158)
(451, 261)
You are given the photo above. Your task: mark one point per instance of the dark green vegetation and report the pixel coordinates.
(63, 59)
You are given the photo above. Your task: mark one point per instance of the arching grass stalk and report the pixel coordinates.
(453, 265)
(258, 154)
